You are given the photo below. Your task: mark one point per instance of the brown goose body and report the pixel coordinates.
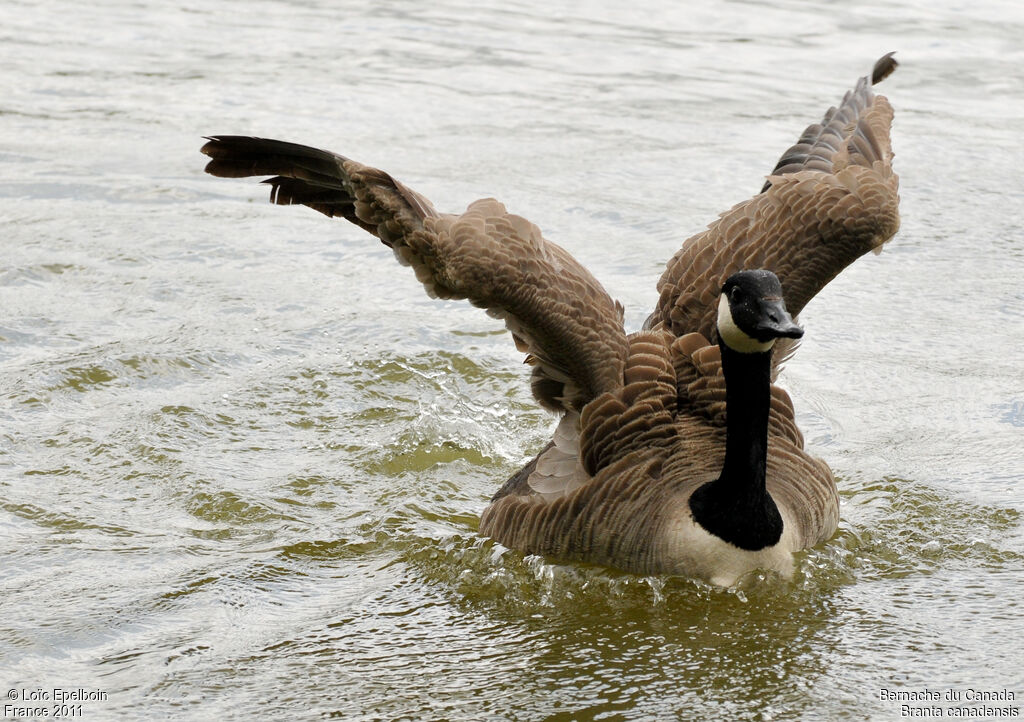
(643, 415)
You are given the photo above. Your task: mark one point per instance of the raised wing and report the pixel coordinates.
(831, 198)
(820, 142)
(556, 310)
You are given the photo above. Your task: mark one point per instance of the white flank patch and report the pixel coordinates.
(559, 469)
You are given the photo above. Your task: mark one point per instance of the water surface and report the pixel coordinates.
(243, 456)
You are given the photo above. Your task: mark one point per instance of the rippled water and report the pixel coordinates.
(243, 456)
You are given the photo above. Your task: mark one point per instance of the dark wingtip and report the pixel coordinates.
(216, 143)
(229, 157)
(212, 145)
(883, 68)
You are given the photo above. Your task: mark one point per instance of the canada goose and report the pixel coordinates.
(674, 454)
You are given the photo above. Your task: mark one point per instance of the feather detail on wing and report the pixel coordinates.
(831, 198)
(556, 310)
(638, 416)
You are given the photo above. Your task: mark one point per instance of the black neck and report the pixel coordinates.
(737, 506)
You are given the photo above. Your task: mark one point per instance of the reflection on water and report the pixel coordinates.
(243, 457)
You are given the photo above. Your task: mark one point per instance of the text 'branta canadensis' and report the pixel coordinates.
(675, 452)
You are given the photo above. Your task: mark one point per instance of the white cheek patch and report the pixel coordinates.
(733, 336)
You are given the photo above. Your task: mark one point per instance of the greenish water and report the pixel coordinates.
(243, 456)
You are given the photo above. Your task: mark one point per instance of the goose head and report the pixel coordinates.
(752, 313)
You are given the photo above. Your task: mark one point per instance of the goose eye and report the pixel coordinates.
(735, 293)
